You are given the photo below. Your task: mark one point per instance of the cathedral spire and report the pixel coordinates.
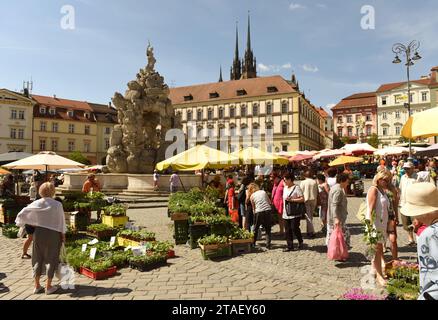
(220, 75)
(249, 69)
(236, 70)
(236, 50)
(248, 40)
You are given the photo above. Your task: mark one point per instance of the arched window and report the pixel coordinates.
(243, 110)
(284, 128)
(269, 108)
(232, 112)
(199, 115)
(189, 115)
(284, 107)
(210, 114)
(221, 113)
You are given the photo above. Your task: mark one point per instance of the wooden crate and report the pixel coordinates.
(216, 251)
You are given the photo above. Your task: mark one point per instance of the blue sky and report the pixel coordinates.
(321, 41)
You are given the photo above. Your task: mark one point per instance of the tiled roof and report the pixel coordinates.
(228, 90)
(366, 99)
(104, 113)
(323, 113)
(64, 103)
(392, 86)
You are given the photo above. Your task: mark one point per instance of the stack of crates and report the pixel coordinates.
(181, 227)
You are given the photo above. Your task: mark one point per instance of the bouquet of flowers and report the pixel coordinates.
(371, 236)
(359, 294)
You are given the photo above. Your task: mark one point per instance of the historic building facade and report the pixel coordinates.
(64, 126)
(16, 122)
(106, 118)
(327, 128)
(434, 87)
(355, 116)
(391, 109)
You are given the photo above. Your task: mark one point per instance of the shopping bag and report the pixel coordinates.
(234, 213)
(337, 248)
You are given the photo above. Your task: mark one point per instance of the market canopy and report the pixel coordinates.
(198, 158)
(421, 125)
(431, 151)
(342, 160)
(45, 160)
(392, 151)
(300, 157)
(359, 148)
(253, 155)
(329, 154)
(13, 156)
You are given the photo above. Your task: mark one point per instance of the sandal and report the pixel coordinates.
(26, 256)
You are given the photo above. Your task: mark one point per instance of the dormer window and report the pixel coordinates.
(87, 115)
(52, 111)
(43, 110)
(241, 92)
(70, 113)
(214, 95)
(188, 98)
(272, 89)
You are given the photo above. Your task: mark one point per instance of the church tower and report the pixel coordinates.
(249, 65)
(236, 71)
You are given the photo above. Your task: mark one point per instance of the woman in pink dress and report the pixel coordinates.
(277, 199)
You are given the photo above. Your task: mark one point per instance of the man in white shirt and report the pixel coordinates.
(409, 178)
(310, 191)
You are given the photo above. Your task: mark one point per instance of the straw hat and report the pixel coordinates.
(421, 198)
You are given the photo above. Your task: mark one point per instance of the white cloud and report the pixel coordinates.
(274, 67)
(295, 6)
(310, 68)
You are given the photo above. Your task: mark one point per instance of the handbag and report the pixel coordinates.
(295, 209)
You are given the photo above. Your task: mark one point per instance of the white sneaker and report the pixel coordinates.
(52, 290)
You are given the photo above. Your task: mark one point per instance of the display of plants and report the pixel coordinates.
(10, 231)
(163, 248)
(403, 283)
(115, 210)
(68, 205)
(98, 265)
(142, 235)
(84, 208)
(198, 219)
(241, 234)
(213, 239)
(148, 262)
(101, 231)
(76, 258)
(96, 200)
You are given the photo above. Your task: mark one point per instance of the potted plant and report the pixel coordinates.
(115, 215)
(131, 238)
(98, 269)
(241, 240)
(403, 283)
(97, 200)
(10, 231)
(101, 231)
(163, 248)
(214, 246)
(219, 224)
(76, 258)
(148, 262)
(68, 205)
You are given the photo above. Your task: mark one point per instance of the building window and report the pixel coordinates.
(52, 111)
(424, 96)
(243, 111)
(221, 113)
(210, 114)
(21, 134)
(368, 117)
(13, 133)
(199, 115)
(43, 110)
(107, 143)
(243, 131)
(340, 119)
(107, 130)
(411, 97)
(87, 130)
(13, 114)
(368, 130)
(55, 127)
(269, 108)
(71, 128)
(232, 112)
(70, 113)
(284, 128)
(54, 145)
(340, 132)
(71, 146)
(397, 130)
(86, 147)
(284, 147)
(43, 126)
(232, 130)
(349, 119)
(350, 131)
(43, 145)
(284, 107)
(21, 115)
(397, 114)
(189, 115)
(384, 101)
(255, 110)
(385, 131)
(384, 116)
(87, 115)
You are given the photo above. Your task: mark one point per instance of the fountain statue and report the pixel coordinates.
(144, 114)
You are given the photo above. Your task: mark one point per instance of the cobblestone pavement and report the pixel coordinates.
(261, 275)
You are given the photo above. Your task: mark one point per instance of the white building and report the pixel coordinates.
(16, 114)
(391, 111)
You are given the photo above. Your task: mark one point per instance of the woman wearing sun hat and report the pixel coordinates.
(422, 204)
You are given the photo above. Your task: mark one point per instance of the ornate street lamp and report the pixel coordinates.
(411, 53)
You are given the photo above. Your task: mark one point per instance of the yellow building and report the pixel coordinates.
(105, 117)
(16, 122)
(64, 126)
(247, 109)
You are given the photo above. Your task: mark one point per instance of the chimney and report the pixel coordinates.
(110, 105)
(54, 96)
(434, 75)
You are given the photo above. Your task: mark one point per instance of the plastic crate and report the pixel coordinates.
(181, 231)
(241, 246)
(220, 229)
(196, 232)
(216, 251)
(98, 275)
(114, 222)
(146, 267)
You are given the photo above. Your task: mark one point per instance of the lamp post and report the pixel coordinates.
(411, 53)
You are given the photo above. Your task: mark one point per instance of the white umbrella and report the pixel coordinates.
(330, 153)
(45, 160)
(359, 148)
(391, 151)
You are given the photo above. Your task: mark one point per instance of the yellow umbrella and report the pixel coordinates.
(421, 125)
(253, 155)
(344, 160)
(3, 171)
(198, 158)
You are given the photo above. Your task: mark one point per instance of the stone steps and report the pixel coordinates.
(146, 205)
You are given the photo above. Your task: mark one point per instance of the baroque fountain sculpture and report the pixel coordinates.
(145, 114)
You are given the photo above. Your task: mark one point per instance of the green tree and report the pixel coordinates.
(373, 140)
(79, 157)
(345, 140)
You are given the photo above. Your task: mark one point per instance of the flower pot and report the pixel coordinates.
(98, 275)
(115, 221)
(171, 254)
